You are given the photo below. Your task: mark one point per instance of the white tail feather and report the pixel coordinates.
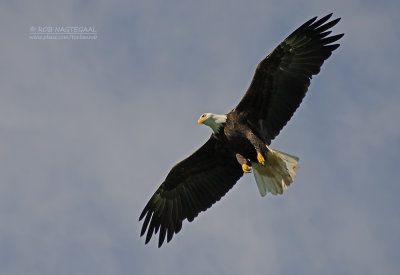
(277, 174)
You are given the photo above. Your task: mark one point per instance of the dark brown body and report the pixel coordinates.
(241, 139)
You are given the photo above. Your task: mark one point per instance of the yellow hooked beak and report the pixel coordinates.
(201, 120)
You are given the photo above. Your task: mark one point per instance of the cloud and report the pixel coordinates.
(89, 129)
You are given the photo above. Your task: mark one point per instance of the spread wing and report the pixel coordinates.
(281, 80)
(192, 186)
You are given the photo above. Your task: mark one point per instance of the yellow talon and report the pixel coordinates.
(261, 159)
(246, 168)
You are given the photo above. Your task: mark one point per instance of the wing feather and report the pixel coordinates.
(192, 186)
(281, 80)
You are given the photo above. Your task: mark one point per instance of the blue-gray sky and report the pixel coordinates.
(90, 128)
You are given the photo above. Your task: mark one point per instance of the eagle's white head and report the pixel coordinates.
(212, 120)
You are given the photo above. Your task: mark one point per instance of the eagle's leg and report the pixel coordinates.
(260, 158)
(259, 145)
(246, 167)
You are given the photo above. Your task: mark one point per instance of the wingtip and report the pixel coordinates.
(335, 21)
(313, 23)
(160, 242)
(310, 21)
(332, 47)
(326, 17)
(148, 238)
(313, 18)
(144, 212)
(141, 215)
(320, 21)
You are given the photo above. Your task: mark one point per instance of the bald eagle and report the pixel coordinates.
(240, 139)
